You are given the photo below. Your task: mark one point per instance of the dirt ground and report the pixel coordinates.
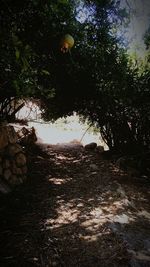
(76, 210)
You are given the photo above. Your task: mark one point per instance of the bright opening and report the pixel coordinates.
(64, 130)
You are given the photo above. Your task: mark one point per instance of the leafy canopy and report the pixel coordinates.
(96, 79)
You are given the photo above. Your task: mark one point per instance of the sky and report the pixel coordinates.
(139, 23)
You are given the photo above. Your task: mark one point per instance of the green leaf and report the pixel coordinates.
(17, 54)
(45, 72)
(63, 2)
(16, 86)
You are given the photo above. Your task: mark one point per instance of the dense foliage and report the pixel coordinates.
(96, 79)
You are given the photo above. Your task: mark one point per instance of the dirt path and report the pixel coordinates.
(76, 210)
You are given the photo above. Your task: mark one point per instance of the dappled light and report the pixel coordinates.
(59, 181)
(67, 214)
(83, 211)
(75, 133)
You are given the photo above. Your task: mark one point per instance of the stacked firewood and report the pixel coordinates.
(13, 163)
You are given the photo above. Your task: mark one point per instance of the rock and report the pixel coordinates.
(4, 188)
(7, 174)
(7, 135)
(141, 256)
(121, 191)
(90, 146)
(11, 134)
(100, 149)
(6, 164)
(14, 179)
(20, 159)
(16, 170)
(24, 169)
(13, 149)
(122, 218)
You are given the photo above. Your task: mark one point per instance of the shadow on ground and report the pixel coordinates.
(75, 210)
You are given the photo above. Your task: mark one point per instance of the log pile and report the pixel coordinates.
(13, 163)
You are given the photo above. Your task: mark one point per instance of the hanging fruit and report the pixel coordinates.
(67, 42)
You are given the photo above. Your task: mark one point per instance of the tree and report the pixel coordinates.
(30, 32)
(96, 79)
